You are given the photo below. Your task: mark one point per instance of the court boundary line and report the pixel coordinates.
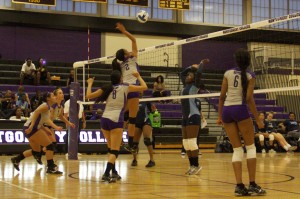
(26, 189)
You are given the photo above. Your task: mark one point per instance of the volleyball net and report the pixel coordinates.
(274, 45)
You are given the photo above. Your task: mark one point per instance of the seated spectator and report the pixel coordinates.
(36, 100)
(42, 72)
(23, 104)
(7, 105)
(18, 115)
(97, 115)
(19, 94)
(159, 87)
(28, 72)
(261, 133)
(70, 78)
(271, 127)
(292, 128)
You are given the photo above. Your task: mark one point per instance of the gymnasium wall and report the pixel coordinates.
(55, 45)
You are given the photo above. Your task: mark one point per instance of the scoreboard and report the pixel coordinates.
(134, 2)
(37, 2)
(175, 4)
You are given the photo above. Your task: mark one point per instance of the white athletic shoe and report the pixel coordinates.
(263, 151)
(272, 151)
(196, 170)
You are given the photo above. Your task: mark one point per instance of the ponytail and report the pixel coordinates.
(242, 59)
(116, 65)
(107, 89)
(244, 82)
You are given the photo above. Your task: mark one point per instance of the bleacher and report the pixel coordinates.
(170, 133)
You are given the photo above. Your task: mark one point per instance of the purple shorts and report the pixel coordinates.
(34, 130)
(133, 95)
(109, 125)
(193, 120)
(235, 113)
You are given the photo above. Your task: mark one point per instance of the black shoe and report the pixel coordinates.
(107, 178)
(53, 170)
(38, 158)
(150, 164)
(15, 163)
(241, 191)
(129, 149)
(255, 189)
(115, 176)
(134, 163)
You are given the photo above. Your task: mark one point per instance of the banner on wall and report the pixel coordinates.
(134, 2)
(86, 136)
(37, 2)
(175, 4)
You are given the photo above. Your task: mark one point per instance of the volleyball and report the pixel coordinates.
(142, 16)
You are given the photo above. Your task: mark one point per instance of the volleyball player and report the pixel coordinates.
(112, 119)
(37, 136)
(57, 111)
(238, 84)
(191, 118)
(126, 62)
(261, 133)
(143, 126)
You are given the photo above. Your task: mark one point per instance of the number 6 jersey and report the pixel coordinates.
(235, 89)
(115, 103)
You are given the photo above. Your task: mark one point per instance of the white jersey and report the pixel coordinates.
(115, 103)
(235, 89)
(42, 118)
(57, 110)
(127, 68)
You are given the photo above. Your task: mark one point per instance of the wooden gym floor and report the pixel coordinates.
(279, 174)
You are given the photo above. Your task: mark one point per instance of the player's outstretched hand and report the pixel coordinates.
(120, 27)
(90, 80)
(205, 61)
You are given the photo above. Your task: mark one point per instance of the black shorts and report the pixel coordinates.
(193, 120)
(141, 124)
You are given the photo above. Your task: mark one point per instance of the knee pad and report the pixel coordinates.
(193, 144)
(261, 138)
(132, 120)
(185, 143)
(238, 154)
(50, 147)
(115, 152)
(251, 151)
(271, 137)
(147, 141)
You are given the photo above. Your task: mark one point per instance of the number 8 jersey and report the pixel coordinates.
(115, 103)
(235, 89)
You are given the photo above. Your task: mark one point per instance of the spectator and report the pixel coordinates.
(42, 72)
(270, 127)
(18, 115)
(159, 87)
(36, 100)
(261, 133)
(19, 94)
(292, 128)
(7, 105)
(28, 71)
(97, 115)
(71, 77)
(23, 104)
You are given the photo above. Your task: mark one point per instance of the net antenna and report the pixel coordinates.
(234, 30)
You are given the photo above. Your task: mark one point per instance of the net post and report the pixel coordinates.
(73, 117)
